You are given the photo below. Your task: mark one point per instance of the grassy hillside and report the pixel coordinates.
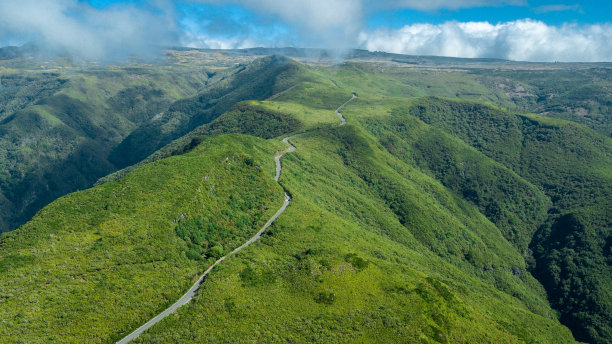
(62, 131)
(244, 118)
(572, 166)
(57, 129)
(370, 250)
(516, 206)
(99, 262)
(258, 80)
(525, 173)
(424, 219)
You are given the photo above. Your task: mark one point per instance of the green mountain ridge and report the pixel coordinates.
(575, 177)
(124, 247)
(432, 216)
(258, 80)
(61, 132)
(58, 130)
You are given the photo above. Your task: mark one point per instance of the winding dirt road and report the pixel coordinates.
(188, 296)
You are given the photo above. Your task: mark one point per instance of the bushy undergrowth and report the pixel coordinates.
(95, 264)
(571, 165)
(415, 222)
(339, 266)
(370, 250)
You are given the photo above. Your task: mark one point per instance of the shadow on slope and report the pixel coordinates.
(259, 80)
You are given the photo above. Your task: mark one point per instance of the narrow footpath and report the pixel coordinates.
(188, 296)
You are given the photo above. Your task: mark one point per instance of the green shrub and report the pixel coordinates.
(327, 298)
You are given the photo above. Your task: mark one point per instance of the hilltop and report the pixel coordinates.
(443, 211)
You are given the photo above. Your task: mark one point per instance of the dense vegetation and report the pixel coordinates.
(424, 219)
(346, 263)
(61, 131)
(100, 262)
(580, 95)
(244, 118)
(57, 129)
(572, 166)
(573, 264)
(515, 206)
(258, 80)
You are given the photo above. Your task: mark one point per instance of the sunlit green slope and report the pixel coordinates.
(572, 166)
(371, 249)
(61, 131)
(57, 129)
(412, 223)
(545, 183)
(99, 262)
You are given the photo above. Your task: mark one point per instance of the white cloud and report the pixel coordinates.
(320, 23)
(123, 30)
(192, 40)
(430, 5)
(336, 23)
(558, 8)
(76, 27)
(521, 40)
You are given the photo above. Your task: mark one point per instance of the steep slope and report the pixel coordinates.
(258, 80)
(99, 262)
(572, 165)
(57, 129)
(410, 223)
(568, 163)
(244, 118)
(524, 165)
(370, 250)
(515, 205)
(62, 131)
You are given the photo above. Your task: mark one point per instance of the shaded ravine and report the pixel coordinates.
(189, 295)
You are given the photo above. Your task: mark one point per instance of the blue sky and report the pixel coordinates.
(550, 12)
(544, 30)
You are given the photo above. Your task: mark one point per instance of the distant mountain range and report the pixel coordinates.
(13, 52)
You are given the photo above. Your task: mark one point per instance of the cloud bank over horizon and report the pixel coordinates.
(121, 28)
(521, 40)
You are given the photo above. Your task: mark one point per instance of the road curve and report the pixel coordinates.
(277, 157)
(188, 296)
(341, 106)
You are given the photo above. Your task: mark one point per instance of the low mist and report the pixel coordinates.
(143, 29)
(82, 31)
